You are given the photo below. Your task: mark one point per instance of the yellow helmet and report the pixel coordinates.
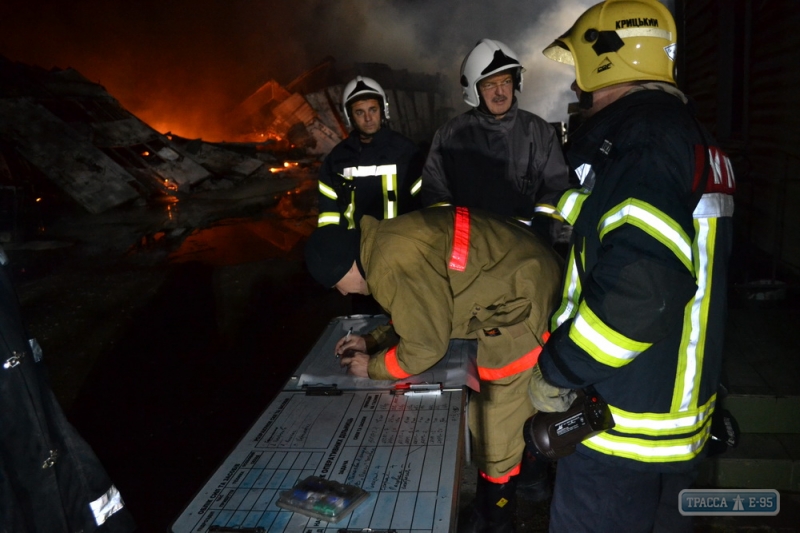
(618, 41)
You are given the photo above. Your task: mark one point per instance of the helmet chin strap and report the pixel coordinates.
(586, 101)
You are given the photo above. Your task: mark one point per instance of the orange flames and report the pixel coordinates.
(286, 166)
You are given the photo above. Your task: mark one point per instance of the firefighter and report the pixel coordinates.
(50, 479)
(496, 156)
(644, 299)
(453, 273)
(374, 171)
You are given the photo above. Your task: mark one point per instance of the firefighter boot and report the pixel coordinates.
(533, 481)
(494, 508)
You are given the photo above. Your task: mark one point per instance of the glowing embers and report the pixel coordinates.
(287, 165)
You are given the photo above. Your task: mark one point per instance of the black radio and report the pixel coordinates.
(555, 435)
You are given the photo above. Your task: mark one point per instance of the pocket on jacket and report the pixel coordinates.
(500, 315)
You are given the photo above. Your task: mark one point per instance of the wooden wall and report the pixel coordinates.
(740, 62)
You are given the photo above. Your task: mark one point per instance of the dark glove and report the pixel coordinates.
(548, 398)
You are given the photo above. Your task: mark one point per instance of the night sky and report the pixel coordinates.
(179, 65)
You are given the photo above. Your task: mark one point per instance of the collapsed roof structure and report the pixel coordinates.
(307, 112)
(60, 126)
(64, 140)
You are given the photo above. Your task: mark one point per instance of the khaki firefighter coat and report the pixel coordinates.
(450, 273)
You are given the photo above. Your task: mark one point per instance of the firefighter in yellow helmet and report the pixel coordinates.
(643, 307)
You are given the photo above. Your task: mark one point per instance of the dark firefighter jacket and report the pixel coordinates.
(444, 273)
(50, 480)
(644, 300)
(380, 178)
(513, 166)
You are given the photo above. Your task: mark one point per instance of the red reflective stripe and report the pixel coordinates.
(504, 479)
(392, 366)
(458, 259)
(525, 362)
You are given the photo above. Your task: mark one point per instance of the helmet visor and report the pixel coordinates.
(558, 51)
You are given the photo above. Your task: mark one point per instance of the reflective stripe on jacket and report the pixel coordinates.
(644, 294)
(444, 273)
(50, 479)
(380, 179)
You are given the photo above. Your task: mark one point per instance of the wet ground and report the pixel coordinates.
(168, 330)
(167, 333)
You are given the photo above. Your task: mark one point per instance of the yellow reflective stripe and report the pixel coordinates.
(416, 187)
(441, 204)
(693, 340)
(600, 341)
(650, 451)
(652, 221)
(389, 206)
(657, 424)
(351, 208)
(571, 292)
(571, 203)
(328, 191)
(548, 211)
(328, 217)
(525, 221)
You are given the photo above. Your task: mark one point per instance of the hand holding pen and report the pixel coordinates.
(350, 342)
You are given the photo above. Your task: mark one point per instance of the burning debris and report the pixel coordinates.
(65, 141)
(307, 112)
(59, 126)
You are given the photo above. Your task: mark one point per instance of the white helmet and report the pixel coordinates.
(361, 88)
(487, 58)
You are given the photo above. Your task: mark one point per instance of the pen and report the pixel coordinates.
(347, 337)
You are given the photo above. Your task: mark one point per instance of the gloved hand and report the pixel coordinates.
(548, 398)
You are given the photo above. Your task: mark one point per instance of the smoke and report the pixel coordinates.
(435, 36)
(180, 65)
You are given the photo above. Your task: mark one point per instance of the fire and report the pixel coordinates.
(286, 166)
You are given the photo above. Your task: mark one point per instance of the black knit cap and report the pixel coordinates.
(330, 252)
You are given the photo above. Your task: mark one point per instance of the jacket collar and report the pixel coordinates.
(354, 140)
(645, 94)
